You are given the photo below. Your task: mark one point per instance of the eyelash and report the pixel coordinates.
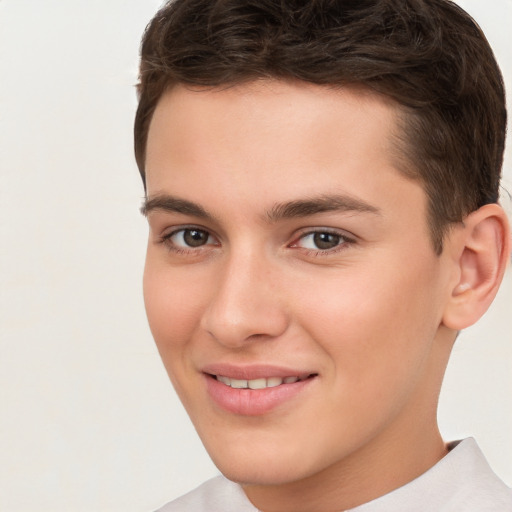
(343, 244)
(166, 240)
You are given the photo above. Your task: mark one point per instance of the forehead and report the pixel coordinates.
(275, 138)
(272, 108)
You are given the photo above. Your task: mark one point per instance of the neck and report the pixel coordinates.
(366, 474)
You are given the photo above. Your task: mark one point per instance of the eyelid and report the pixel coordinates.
(346, 239)
(166, 238)
(171, 230)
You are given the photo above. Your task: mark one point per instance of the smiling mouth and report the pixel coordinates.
(256, 390)
(261, 383)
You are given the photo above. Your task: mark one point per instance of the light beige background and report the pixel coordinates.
(88, 421)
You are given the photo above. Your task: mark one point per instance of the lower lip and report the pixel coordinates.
(253, 402)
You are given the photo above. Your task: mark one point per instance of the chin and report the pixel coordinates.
(267, 473)
(257, 464)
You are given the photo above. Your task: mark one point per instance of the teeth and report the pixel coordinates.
(262, 383)
(272, 382)
(257, 383)
(238, 384)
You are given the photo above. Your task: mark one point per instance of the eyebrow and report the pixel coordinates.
(327, 203)
(288, 210)
(173, 204)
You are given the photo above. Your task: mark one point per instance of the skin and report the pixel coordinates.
(366, 316)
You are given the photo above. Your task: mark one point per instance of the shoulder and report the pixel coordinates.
(215, 495)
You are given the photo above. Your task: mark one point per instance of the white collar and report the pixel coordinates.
(460, 481)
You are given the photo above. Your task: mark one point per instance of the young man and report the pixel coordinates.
(321, 188)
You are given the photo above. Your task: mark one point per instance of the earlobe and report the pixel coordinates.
(482, 259)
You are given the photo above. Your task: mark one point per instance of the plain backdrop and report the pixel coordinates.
(88, 420)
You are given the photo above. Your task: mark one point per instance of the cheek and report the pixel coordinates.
(374, 325)
(173, 303)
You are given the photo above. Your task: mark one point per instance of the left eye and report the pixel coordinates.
(190, 238)
(320, 241)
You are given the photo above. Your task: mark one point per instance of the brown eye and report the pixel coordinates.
(195, 237)
(190, 238)
(323, 241)
(326, 241)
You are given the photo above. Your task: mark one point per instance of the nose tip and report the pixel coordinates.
(244, 308)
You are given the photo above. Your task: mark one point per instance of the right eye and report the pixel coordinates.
(188, 238)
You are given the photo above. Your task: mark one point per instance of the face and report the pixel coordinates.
(290, 282)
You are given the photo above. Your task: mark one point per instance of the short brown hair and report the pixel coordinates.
(429, 56)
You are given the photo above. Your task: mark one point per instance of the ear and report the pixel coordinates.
(482, 248)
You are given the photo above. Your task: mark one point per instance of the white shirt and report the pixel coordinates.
(460, 482)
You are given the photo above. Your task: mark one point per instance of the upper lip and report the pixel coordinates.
(253, 371)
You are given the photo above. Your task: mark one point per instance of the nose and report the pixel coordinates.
(245, 305)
